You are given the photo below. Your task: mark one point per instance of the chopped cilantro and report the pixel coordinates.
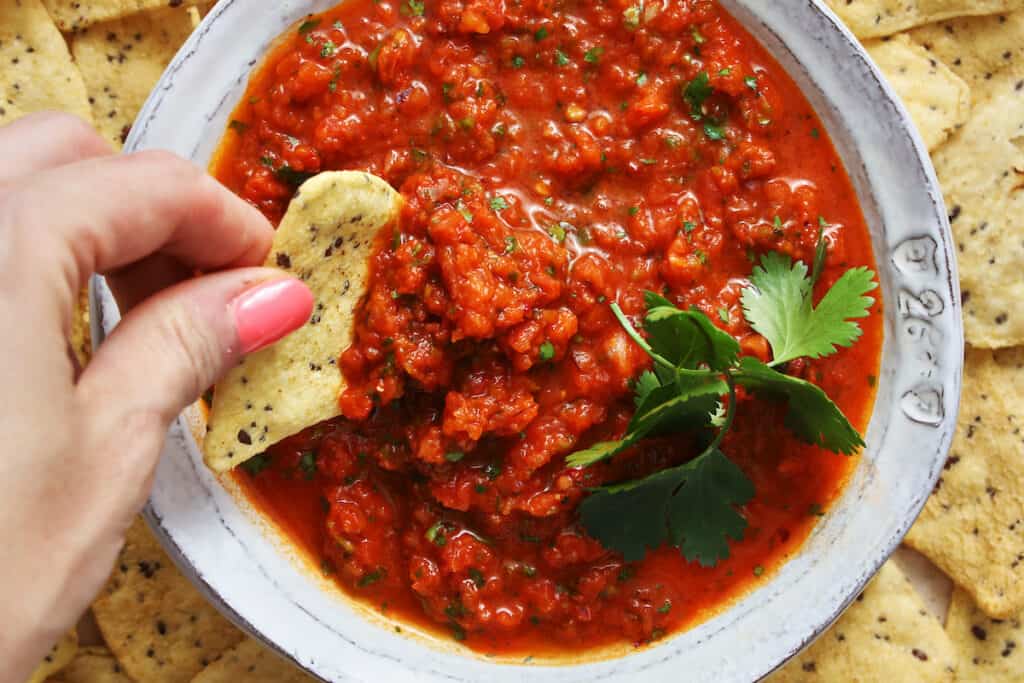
(665, 608)
(238, 126)
(518, 62)
(751, 82)
(511, 244)
(371, 58)
(557, 232)
(498, 203)
(632, 16)
(698, 38)
(723, 315)
(689, 226)
(641, 79)
(561, 59)
(454, 456)
(815, 133)
(714, 132)
(256, 464)
(725, 72)
(415, 8)
(593, 55)
(547, 351)
(307, 26)
(634, 210)
(307, 463)
(673, 141)
(463, 211)
(372, 577)
(697, 92)
(328, 49)
(477, 577)
(437, 534)
(648, 162)
(540, 34)
(758, 570)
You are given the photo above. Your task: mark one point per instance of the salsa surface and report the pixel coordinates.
(551, 163)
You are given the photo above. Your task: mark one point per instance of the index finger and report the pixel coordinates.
(114, 211)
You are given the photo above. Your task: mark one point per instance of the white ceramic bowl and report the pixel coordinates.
(251, 574)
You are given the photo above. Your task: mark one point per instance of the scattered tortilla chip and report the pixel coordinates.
(249, 661)
(155, 622)
(325, 239)
(58, 657)
(877, 18)
(887, 634)
(989, 650)
(74, 15)
(938, 100)
(93, 665)
(976, 48)
(36, 71)
(122, 60)
(973, 525)
(81, 337)
(982, 174)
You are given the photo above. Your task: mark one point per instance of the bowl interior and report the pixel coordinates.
(256, 579)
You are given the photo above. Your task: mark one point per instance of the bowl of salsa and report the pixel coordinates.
(654, 368)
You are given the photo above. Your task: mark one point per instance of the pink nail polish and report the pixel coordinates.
(269, 311)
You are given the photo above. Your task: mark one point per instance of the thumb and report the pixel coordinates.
(177, 343)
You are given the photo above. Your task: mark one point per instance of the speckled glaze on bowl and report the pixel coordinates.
(246, 568)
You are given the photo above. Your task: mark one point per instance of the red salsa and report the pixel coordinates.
(555, 157)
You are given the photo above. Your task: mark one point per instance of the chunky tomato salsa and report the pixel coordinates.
(556, 158)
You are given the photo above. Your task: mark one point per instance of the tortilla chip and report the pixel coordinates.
(155, 622)
(877, 18)
(976, 48)
(325, 239)
(972, 526)
(938, 100)
(81, 337)
(74, 15)
(887, 634)
(989, 650)
(93, 665)
(58, 657)
(249, 661)
(36, 72)
(982, 174)
(122, 60)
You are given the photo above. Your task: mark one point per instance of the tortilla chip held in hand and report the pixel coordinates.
(325, 239)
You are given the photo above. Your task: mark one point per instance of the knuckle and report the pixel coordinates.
(195, 358)
(72, 132)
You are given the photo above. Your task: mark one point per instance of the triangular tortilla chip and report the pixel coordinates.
(93, 665)
(37, 71)
(976, 48)
(325, 239)
(938, 100)
(57, 658)
(989, 650)
(249, 661)
(971, 527)
(877, 18)
(887, 634)
(74, 15)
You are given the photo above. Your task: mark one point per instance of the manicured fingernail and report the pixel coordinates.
(269, 311)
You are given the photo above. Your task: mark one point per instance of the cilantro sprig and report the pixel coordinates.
(696, 370)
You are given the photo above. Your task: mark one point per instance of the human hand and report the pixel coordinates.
(79, 448)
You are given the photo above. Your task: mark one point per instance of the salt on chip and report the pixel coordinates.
(981, 170)
(57, 658)
(938, 100)
(93, 665)
(887, 634)
(973, 525)
(877, 18)
(122, 60)
(976, 48)
(251, 662)
(325, 239)
(37, 71)
(160, 628)
(74, 15)
(989, 650)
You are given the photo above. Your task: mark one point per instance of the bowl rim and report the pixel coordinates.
(916, 258)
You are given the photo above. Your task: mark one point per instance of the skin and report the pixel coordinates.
(79, 447)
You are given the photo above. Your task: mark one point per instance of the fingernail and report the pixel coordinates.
(269, 311)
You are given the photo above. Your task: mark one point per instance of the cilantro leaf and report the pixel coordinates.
(665, 409)
(812, 415)
(779, 306)
(702, 514)
(645, 384)
(630, 518)
(691, 505)
(687, 338)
